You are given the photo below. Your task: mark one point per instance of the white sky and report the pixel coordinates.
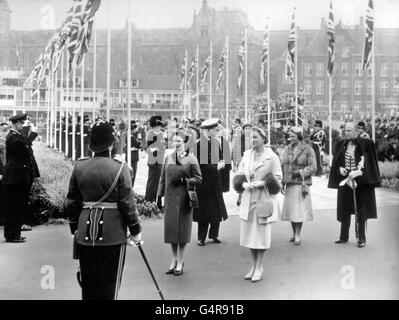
(49, 14)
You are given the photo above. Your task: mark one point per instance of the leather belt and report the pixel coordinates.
(102, 205)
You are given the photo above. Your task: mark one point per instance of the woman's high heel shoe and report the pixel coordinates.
(171, 270)
(249, 275)
(257, 275)
(179, 272)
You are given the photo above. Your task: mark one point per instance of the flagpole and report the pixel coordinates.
(94, 74)
(373, 88)
(108, 71)
(268, 85)
(296, 73)
(129, 80)
(197, 85)
(66, 106)
(55, 108)
(48, 110)
(330, 124)
(185, 86)
(61, 102)
(37, 107)
(82, 107)
(210, 80)
(246, 75)
(73, 110)
(227, 82)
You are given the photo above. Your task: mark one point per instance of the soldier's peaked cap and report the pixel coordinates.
(210, 123)
(18, 117)
(318, 123)
(361, 125)
(102, 137)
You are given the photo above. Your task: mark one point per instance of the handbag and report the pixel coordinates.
(192, 194)
(304, 187)
(263, 208)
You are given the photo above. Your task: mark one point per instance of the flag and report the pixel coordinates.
(182, 75)
(76, 23)
(265, 56)
(222, 61)
(368, 43)
(331, 41)
(85, 30)
(241, 57)
(290, 61)
(204, 72)
(194, 66)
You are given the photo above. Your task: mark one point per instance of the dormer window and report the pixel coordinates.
(204, 32)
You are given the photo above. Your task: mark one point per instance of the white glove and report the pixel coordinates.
(1, 177)
(134, 240)
(258, 184)
(355, 173)
(247, 186)
(221, 165)
(342, 171)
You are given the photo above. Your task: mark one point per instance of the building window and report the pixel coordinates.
(368, 105)
(307, 87)
(395, 89)
(358, 70)
(346, 52)
(345, 69)
(384, 69)
(383, 88)
(319, 103)
(369, 88)
(204, 32)
(344, 105)
(358, 88)
(357, 105)
(320, 69)
(369, 70)
(396, 71)
(319, 87)
(307, 69)
(344, 87)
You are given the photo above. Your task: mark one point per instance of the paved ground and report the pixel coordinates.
(318, 269)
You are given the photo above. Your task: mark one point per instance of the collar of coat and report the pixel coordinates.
(248, 156)
(290, 149)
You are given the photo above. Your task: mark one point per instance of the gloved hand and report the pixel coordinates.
(247, 186)
(355, 173)
(134, 240)
(343, 172)
(296, 174)
(258, 184)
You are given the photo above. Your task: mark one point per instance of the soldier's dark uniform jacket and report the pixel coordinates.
(90, 181)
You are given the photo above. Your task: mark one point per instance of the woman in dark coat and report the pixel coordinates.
(348, 157)
(181, 169)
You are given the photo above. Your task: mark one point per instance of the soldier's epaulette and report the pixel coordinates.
(81, 159)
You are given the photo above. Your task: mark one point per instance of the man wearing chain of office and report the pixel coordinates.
(318, 139)
(355, 173)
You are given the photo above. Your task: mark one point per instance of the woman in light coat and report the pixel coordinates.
(181, 168)
(258, 178)
(299, 164)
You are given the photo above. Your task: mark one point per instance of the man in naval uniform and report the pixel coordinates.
(18, 175)
(101, 208)
(318, 139)
(212, 209)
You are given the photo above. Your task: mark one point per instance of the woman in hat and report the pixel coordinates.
(101, 209)
(181, 170)
(299, 164)
(258, 178)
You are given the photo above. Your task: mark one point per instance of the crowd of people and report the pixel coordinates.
(189, 168)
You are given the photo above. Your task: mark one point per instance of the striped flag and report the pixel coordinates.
(290, 61)
(194, 66)
(84, 34)
(331, 41)
(241, 60)
(204, 72)
(265, 56)
(182, 75)
(75, 26)
(368, 43)
(222, 61)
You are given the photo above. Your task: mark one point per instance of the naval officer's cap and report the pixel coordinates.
(210, 123)
(19, 117)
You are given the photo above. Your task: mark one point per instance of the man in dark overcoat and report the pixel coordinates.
(212, 209)
(318, 139)
(355, 174)
(18, 176)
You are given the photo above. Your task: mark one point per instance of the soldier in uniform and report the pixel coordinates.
(156, 153)
(86, 135)
(318, 139)
(101, 208)
(135, 142)
(355, 173)
(212, 208)
(18, 176)
(361, 130)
